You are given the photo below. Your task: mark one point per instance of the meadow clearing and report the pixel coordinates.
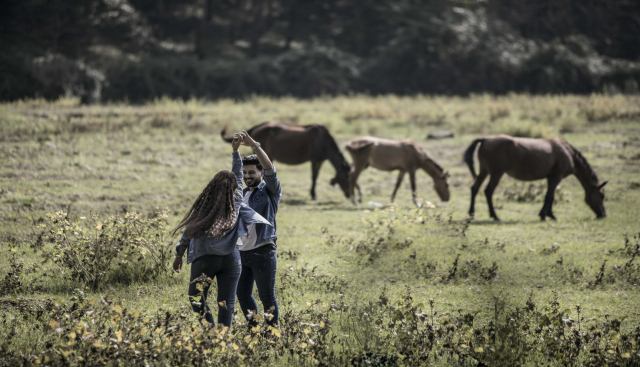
(89, 194)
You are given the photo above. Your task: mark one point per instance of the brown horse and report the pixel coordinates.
(294, 144)
(390, 155)
(532, 159)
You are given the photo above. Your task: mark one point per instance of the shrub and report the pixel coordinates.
(386, 331)
(120, 248)
(12, 281)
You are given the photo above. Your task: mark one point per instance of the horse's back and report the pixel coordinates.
(294, 144)
(522, 158)
(380, 153)
(289, 144)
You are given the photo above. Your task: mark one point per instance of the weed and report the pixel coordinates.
(12, 282)
(470, 268)
(551, 249)
(599, 277)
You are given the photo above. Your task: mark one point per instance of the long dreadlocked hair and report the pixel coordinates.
(215, 203)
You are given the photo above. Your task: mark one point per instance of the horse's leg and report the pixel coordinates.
(547, 211)
(359, 193)
(398, 183)
(353, 182)
(315, 169)
(412, 181)
(474, 191)
(488, 192)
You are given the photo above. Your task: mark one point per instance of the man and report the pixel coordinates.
(258, 248)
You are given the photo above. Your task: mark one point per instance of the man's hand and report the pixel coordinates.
(235, 143)
(177, 264)
(248, 140)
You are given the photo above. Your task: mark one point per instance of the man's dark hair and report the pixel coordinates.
(251, 159)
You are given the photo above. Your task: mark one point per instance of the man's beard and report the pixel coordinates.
(252, 183)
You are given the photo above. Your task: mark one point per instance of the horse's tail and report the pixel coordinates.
(229, 139)
(468, 155)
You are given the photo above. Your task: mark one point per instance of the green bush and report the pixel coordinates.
(120, 248)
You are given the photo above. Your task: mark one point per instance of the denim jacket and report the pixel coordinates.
(205, 245)
(264, 200)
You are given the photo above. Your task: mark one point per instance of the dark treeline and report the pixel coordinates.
(135, 50)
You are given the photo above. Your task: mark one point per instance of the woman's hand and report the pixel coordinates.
(235, 143)
(177, 264)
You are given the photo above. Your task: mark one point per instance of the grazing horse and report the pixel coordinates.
(294, 144)
(529, 159)
(390, 155)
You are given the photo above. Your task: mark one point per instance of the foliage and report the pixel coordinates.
(12, 281)
(97, 251)
(399, 332)
(138, 50)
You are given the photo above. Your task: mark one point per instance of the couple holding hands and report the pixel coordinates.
(230, 234)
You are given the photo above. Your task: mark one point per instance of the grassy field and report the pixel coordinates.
(389, 280)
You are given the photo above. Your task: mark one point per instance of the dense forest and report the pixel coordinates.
(136, 50)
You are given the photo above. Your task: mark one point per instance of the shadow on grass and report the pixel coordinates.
(294, 201)
(323, 205)
(484, 222)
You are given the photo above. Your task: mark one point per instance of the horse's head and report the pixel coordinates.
(441, 186)
(342, 179)
(437, 173)
(595, 199)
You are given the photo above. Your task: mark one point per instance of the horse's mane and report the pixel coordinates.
(584, 169)
(335, 155)
(424, 154)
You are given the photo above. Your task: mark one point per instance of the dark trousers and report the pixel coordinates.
(226, 269)
(259, 266)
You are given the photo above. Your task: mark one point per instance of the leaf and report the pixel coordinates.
(98, 344)
(117, 309)
(275, 331)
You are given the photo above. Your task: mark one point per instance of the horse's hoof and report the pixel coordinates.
(495, 219)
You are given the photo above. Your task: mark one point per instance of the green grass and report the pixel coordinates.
(101, 159)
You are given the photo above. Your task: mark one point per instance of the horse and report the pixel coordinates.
(297, 144)
(529, 159)
(390, 155)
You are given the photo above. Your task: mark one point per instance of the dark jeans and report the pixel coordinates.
(226, 269)
(259, 265)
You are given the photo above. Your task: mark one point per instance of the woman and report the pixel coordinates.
(211, 230)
